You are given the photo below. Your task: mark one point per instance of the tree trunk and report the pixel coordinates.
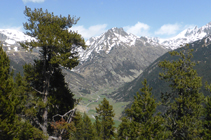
(45, 116)
(46, 92)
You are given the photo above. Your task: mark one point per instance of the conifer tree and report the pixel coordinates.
(105, 115)
(124, 129)
(78, 124)
(207, 116)
(207, 120)
(88, 129)
(12, 103)
(184, 103)
(8, 100)
(58, 47)
(97, 126)
(84, 129)
(141, 121)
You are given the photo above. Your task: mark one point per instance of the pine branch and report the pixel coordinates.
(37, 91)
(69, 118)
(39, 124)
(62, 116)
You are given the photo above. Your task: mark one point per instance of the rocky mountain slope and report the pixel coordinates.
(18, 56)
(201, 55)
(112, 59)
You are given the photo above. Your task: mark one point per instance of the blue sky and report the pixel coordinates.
(156, 18)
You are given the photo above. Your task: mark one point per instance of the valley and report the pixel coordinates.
(113, 65)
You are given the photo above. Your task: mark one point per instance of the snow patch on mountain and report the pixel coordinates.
(106, 41)
(114, 38)
(10, 42)
(186, 36)
(14, 36)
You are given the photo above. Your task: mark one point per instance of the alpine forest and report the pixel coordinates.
(39, 103)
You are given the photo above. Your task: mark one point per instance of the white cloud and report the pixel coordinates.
(168, 29)
(189, 26)
(139, 29)
(35, 1)
(91, 31)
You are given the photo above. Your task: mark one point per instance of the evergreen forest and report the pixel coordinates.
(39, 105)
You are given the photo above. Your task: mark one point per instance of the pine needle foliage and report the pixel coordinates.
(207, 116)
(140, 121)
(183, 104)
(58, 46)
(12, 104)
(105, 114)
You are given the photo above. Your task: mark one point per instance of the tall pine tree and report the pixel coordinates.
(207, 116)
(58, 47)
(88, 129)
(97, 127)
(105, 115)
(78, 124)
(184, 103)
(12, 103)
(141, 122)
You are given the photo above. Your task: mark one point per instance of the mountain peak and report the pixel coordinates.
(186, 36)
(116, 31)
(104, 43)
(13, 36)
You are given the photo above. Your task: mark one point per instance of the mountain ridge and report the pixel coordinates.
(186, 36)
(112, 58)
(201, 55)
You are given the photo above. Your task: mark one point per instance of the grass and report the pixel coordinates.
(118, 107)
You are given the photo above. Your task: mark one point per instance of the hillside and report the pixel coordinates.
(201, 55)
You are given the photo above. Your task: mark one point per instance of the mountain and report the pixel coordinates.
(186, 36)
(18, 56)
(201, 55)
(113, 58)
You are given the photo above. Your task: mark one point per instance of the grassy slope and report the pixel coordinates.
(89, 103)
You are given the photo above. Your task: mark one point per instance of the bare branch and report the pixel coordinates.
(71, 112)
(62, 116)
(37, 91)
(39, 124)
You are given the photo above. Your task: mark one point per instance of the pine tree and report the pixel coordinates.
(141, 121)
(184, 103)
(207, 116)
(58, 47)
(97, 126)
(124, 129)
(105, 115)
(88, 129)
(78, 123)
(12, 104)
(7, 99)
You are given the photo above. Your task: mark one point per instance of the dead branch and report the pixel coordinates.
(62, 116)
(37, 91)
(37, 122)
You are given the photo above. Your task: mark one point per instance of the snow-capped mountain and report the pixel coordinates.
(11, 37)
(113, 58)
(186, 36)
(18, 56)
(105, 42)
(201, 55)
